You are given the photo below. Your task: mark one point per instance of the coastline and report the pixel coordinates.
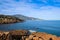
(6, 19)
(26, 35)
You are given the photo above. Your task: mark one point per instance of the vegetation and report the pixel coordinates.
(9, 19)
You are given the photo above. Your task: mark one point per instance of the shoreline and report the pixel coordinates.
(6, 19)
(27, 35)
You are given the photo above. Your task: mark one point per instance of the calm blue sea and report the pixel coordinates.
(51, 26)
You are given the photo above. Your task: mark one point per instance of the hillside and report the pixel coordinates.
(25, 17)
(5, 19)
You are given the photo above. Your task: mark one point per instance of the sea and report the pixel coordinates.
(47, 26)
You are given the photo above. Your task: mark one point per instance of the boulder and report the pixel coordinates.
(42, 36)
(19, 32)
(24, 35)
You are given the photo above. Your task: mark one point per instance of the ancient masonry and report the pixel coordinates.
(26, 35)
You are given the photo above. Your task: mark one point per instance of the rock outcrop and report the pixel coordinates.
(5, 19)
(26, 35)
(42, 36)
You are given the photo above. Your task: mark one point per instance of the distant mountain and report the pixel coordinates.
(25, 17)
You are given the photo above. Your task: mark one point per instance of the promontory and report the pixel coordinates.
(6, 19)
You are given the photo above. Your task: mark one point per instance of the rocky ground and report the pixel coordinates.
(26, 35)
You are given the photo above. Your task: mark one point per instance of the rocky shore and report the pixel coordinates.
(7, 19)
(26, 35)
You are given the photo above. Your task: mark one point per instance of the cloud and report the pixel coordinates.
(34, 8)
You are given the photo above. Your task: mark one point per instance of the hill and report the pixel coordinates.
(5, 19)
(25, 17)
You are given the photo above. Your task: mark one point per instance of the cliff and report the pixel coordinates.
(26, 35)
(6, 19)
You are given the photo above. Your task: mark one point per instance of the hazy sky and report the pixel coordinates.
(43, 9)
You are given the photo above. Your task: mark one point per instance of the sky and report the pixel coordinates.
(43, 9)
